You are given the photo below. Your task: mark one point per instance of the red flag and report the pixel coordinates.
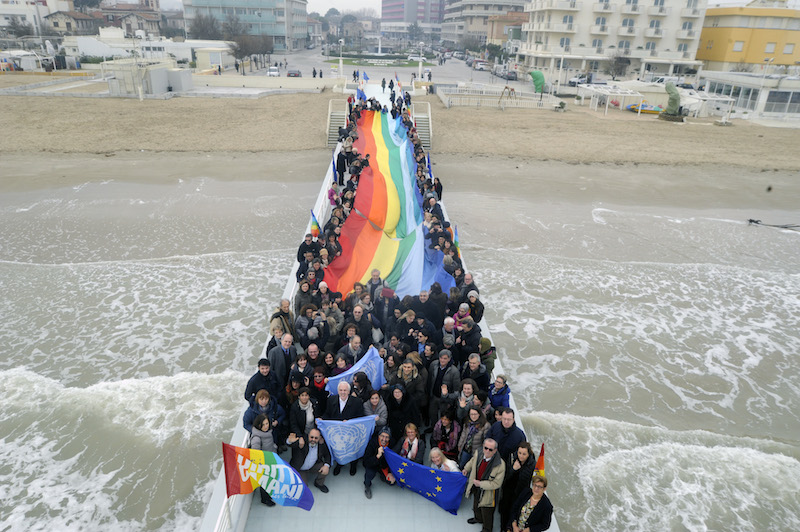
(539, 470)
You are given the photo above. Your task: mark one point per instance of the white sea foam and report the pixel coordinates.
(101, 457)
(634, 477)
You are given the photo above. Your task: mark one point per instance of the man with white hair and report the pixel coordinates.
(466, 286)
(281, 357)
(353, 351)
(375, 284)
(342, 407)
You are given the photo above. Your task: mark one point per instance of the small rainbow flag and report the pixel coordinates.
(455, 240)
(539, 469)
(314, 225)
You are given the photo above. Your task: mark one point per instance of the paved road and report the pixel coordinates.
(453, 71)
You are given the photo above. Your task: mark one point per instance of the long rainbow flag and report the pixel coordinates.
(385, 231)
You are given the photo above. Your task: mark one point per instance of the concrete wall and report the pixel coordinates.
(228, 80)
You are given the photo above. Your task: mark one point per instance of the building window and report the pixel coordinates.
(624, 45)
(627, 22)
(597, 43)
(770, 49)
(55, 24)
(691, 4)
(683, 47)
(788, 49)
(650, 46)
(655, 23)
(564, 42)
(600, 21)
(658, 3)
(738, 46)
(687, 25)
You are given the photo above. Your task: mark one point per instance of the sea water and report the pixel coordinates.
(653, 348)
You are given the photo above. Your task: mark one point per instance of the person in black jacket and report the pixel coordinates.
(532, 510)
(402, 410)
(263, 379)
(375, 460)
(303, 412)
(342, 407)
(506, 433)
(518, 479)
(302, 446)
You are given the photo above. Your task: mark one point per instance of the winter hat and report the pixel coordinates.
(473, 293)
(485, 344)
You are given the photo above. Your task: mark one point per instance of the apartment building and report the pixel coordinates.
(647, 37)
(286, 21)
(469, 19)
(398, 15)
(763, 35)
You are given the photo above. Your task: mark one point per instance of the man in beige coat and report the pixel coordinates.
(485, 472)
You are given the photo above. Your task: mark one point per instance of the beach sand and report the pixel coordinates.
(296, 123)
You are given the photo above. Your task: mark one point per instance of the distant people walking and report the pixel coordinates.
(391, 85)
(314, 72)
(383, 85)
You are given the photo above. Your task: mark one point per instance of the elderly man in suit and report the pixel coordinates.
(343, 407)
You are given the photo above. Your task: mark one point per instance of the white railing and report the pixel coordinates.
(426, 111)
(497, 99)
(331, 108)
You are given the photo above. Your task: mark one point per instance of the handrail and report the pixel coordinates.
(430, 118)
(331, 109)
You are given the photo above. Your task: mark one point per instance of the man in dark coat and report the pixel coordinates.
(281, 358)
(311, 454)
(468, 340)
(467, 286)
(307, 244)
(375, 461)
(264, 379)
(441, 373)
(353, 351)
(476, 371)
(342, 407)
(507, 434)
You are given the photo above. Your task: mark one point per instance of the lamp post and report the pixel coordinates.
(421, 44)
(341, 62)
(761, 95)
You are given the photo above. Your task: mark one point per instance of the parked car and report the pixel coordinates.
(577, 80)
(511, 75)
(416, 58)
(294, 74)
(459, 55)
(273, 72)
(481, 65)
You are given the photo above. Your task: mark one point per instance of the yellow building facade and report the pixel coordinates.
(749, 38)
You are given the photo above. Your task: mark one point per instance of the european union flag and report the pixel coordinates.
(361, 95)
(366, 78)
(442, 487)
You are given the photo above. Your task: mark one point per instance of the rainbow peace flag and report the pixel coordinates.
(314, 225)
(248, 469)
(539, 469)
(384, 230)
(455, 240)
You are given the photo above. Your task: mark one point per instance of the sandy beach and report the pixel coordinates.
(296, 123)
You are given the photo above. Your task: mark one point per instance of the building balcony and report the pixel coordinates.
(603, 7)
(627, 31)
(553, 5)
(596, 29)
(654, 33)
(657, 11)
(560, 28)
(686, 35)
(528, 26)
(631, 9)
(689, 12)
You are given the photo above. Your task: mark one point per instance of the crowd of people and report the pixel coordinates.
(439, 392)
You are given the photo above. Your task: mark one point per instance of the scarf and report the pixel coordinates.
(473, 430)
(405, 452)
(309, 410)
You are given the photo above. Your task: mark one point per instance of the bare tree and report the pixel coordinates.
(18, 28)
(233, 27)
(205, 27)
(617, 65)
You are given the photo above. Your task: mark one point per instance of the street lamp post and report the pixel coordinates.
(761, 96)
(421, 44)
(341, 62)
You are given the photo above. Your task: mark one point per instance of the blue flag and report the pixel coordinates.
(442, 487)
(366, 78)
(371, 364)
(333, 162)
(347, 440)
(360, 95)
